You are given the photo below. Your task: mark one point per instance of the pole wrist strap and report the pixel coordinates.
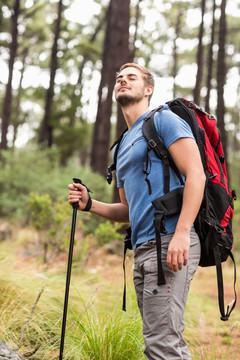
(89, 204)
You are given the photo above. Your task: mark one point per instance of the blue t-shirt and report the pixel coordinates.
(132, 155)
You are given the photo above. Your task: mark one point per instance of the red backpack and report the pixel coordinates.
(213, 223)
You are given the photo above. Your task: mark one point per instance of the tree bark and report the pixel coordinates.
(136, 22)
(221, 76)
(46, 130)
(79, 85)
(116, 46)
(7, 102)
(121, 124)
(18, 118)
(199, 76)
(175, 52)
(210, 60)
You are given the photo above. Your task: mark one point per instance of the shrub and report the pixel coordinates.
(51, 221)
(107, 231)
(30, 170)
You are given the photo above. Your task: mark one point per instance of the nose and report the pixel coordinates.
(123, 80)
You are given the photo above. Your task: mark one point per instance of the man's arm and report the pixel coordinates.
(186, 156)
(115, 212)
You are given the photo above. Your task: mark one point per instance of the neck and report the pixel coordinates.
(132, 112)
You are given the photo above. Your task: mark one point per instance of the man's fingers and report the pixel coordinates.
(185, 258)
(79, 186)
(172, 260)
(78, 194)
(176, 260)
(169, 260)
(180, 261)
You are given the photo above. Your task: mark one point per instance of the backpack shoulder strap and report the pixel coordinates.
(150, 135)
(154, 143)
(112, 167)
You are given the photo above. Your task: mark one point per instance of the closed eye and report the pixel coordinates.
(129, 76)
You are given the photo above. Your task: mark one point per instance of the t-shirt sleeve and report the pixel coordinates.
(170, 127)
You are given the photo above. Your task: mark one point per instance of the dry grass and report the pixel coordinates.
(95, 308)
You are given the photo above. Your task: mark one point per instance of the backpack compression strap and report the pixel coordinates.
(127, 245)
(217, 256)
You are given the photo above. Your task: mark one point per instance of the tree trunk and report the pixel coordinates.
(210, 60)
(46, 131)
(136, 22)
(7, 102)
(199, 76)
(128, 54)
(175, 53)
(116, 45)
(75, 98)
(121, 124)
(221, 76)
(18, 118)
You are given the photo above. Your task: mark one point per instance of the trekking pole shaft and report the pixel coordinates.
(70, 254)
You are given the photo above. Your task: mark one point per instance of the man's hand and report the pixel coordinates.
(78, 193)
(178, 251)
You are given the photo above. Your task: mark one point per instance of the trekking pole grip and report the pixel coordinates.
(76, 180)
(89, 203)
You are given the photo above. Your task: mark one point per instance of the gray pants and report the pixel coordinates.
(162, 307)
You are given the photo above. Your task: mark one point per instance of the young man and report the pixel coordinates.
(161, 307)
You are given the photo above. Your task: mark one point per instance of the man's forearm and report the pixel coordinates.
(115, 212)
(192, 198)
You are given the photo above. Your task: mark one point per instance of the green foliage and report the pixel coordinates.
(69, 139)
(236, 231)
(50, 219)
(107, 231)
(40, 211)
(234, 172)
(30, 170)
(34, 190)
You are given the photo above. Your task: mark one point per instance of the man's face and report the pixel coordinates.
(129, 87)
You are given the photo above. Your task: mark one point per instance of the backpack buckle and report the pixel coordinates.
(152, 144)
(109, 175)
(234, 195)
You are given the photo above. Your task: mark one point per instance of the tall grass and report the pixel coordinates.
(97, 328)
(91, 334)
(106, 335)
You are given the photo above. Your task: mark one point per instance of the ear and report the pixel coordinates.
(148, 90)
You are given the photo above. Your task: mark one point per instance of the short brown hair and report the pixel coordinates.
(147, 75)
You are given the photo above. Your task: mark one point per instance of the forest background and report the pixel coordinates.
(58, 118)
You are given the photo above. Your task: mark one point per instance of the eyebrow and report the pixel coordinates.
(129, 74)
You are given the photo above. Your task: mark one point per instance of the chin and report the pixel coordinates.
(124, 100)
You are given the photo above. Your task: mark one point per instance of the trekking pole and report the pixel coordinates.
(69, 267)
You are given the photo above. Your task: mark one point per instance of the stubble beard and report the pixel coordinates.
(126, 100)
